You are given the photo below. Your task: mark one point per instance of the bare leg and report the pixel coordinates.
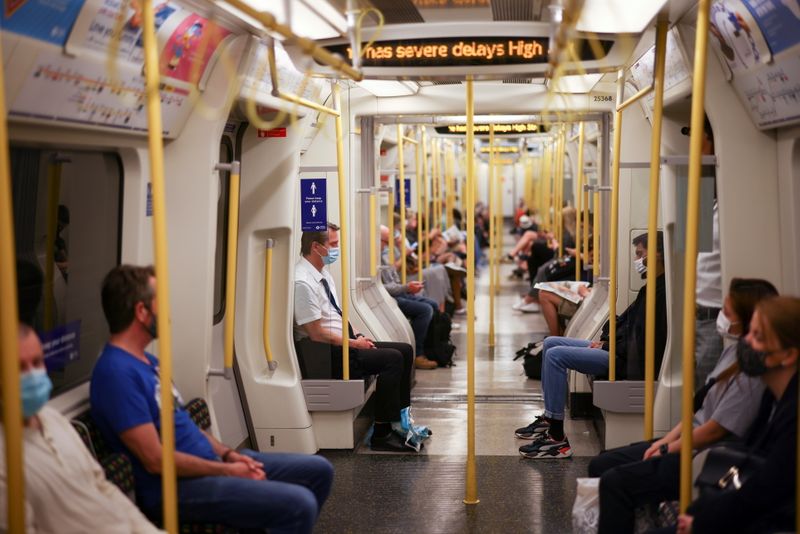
(548, 303)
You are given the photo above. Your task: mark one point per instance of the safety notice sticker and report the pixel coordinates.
(313, 204)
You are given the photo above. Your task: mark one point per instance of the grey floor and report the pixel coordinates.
(423, 493)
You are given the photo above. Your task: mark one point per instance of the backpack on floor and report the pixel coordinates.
(532, 362)
(438, 347)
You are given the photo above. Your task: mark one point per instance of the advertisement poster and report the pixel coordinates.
(61, 345)
(736, 36)
(185, 46)
(45, 20)
(779, 20)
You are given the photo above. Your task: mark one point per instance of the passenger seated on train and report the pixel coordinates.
(216, 484)
(591, 357)
(554, 306)
(66, 491)
(418, 309)
(766, 500)
(318, 334)
(648, 472)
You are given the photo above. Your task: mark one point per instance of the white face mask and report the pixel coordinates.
(639, 265)
(724, 325)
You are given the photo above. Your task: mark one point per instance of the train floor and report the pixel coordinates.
(397, 493)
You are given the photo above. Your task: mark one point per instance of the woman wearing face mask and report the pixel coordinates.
(649, 472)
(766, 500)
(66, 491)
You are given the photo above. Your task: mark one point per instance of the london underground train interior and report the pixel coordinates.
(439, 266)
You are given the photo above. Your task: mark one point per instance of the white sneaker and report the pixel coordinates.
(461, 311)
(530, 307)
(518, 306)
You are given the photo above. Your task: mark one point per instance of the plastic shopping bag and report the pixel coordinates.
(586, 510)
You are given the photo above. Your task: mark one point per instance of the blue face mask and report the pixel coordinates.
(333, 255)
(35, 386)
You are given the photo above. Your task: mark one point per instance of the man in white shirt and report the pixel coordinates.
(318, 332)
(66, 491)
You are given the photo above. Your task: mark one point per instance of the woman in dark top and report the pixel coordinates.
(766, 501)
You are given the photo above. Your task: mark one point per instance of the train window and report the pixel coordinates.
(67, 220)
(220, 265)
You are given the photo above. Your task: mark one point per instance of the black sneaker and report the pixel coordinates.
(533, 430)
(390, 443)
(547, 447)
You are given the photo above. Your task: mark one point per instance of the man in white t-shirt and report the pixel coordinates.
(318, 335)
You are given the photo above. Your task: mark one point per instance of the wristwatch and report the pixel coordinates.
(663, 450)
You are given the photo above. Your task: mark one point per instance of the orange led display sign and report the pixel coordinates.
(484, 129)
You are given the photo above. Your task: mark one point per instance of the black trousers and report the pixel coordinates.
(392, 362)
(540, 254)
(627, 486)
(616, 457)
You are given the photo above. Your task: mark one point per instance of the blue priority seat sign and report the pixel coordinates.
(313, 204)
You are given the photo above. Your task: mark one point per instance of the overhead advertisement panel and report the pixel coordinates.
(45, 20)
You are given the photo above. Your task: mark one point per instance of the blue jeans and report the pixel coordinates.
(560, 354)
(289, 500)
(419, 311)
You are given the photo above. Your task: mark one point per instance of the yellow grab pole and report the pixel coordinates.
(596, 238)
(373, 238)
(492, 234)
(690, 265)
(614, 238)
(471, 479)
(498, 228)
(9, 338)
(662, 27)
(418, 185)
(586, 195)
(390, 224)
(426, 200)
(448, 177)
(156, 146)
(270, 245)
(579, 200)
(53, 191)
(343, 229)
(401, 173)
(437, 219)
(561, 164)
(230, 278)
(547, 188)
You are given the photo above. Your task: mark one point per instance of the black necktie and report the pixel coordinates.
(336, 307)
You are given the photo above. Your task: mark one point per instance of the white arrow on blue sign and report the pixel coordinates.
(313, 204)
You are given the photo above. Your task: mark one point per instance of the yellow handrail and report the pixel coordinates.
(635, 98)
(662, 26)
(498, 227)
(343, 227)
(418, 186)
(449, 184)
(596, 238)
(410, 140)
(156, 146)
(390, 224)
(690, 264)
(9, 337)
(230, 277)
(425, 200)
(373, 245)
(492, 176)
(613, 240)
(308, 46)
(471, 496)
(561, 165)
(270, 245)
(585, 200)
(53, 191)
(579, 200)
(401, 173)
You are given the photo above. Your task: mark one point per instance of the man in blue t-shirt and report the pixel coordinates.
(216, 484)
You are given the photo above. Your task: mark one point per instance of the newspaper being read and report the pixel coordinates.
(565, 290)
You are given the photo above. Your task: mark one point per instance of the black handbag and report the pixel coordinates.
(727, 469)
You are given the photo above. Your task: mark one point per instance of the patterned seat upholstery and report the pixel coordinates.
(118, 466)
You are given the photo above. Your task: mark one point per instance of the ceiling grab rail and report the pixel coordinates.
(614, 237)
(156, 149)
(492, 177)
(343, 231)
(418, 183)
(268, 250)
(580, 208)
(9, 338)
(250, 107)
(471, 482)
(305, 44)
(690, 265)
(662, 27)
(401, 176)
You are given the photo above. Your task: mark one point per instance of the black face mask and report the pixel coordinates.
(750, 361)
(152, 328)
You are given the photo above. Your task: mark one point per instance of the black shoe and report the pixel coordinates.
(533, 430)
(390, 443)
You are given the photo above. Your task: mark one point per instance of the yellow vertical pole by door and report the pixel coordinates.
(690, 265)
(373, 238)
(230, 278)
(662, 27)
(578, 180)
(401, 174)
(426, 230)
(9, 338)
(492, 234)
(156, 146)
(271, 363)
(614, 238)
(596, 238)
(449, 184)
(437, 207)
(390, 224)
(585, 226)
(560, 182)
(471, 492)
(418, 185)
(498, 227)
(547, 188)
(344, 251)
(53, 191)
